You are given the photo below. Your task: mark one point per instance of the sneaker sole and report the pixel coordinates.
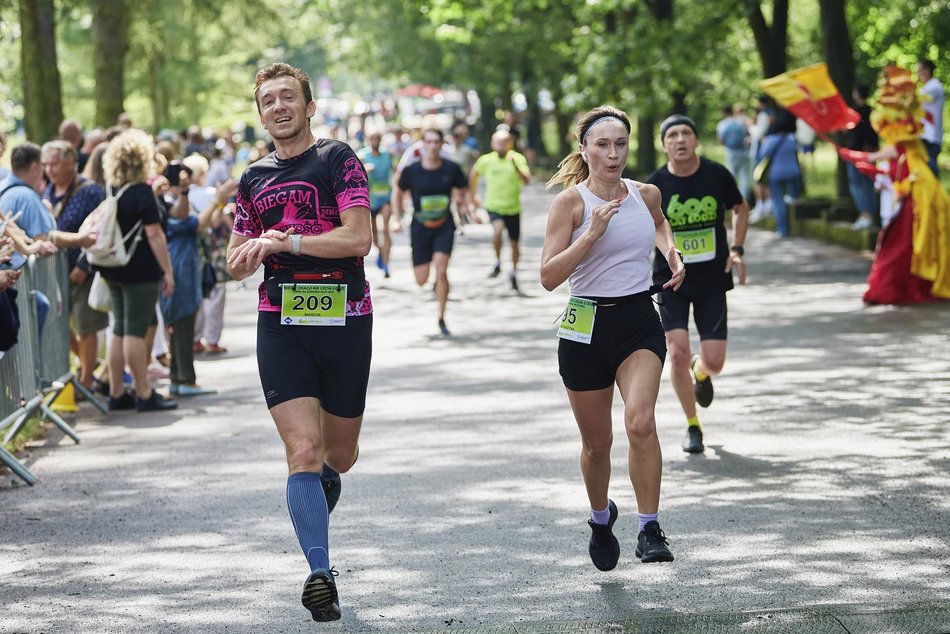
(320, 597)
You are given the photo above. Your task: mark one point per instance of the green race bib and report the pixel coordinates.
(698, 245)
(578, 321)
(434, 208)
(379, 189)
(313, 304)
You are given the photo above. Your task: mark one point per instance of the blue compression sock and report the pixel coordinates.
(308, 511)
(647, 517)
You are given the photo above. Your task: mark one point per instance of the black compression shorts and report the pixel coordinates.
(619, 331)
(512, 224)
(426, 241)
(329, 363)
(710, 314)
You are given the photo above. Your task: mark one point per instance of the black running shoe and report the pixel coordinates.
(704, 388)
(155, 403)
(126, 401)
(495, 272)
(693, 442)
(443, 328)
(331, 489)
(320, 597)
(652, 544)
(604, 547)
(514, 282)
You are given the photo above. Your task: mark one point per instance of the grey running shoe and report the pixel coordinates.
(704, 388)
(320, 597)
(693, 442)
(514, 282)
(604, 547)
(652, 544)
(495, 272)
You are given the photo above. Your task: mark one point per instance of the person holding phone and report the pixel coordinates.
(601, 231)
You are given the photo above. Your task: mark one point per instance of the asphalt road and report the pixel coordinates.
(824, 490)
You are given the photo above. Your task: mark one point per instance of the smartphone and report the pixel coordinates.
(173, 173)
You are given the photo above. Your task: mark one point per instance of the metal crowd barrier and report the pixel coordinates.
(36, 368)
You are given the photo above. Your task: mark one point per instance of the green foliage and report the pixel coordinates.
(193, 61)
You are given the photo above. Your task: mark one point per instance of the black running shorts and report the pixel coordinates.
(329, 363)
(512, 224)
(426, 241)
(619, 331)
(709, 313)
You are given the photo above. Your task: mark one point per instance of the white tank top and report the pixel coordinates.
(619, 262)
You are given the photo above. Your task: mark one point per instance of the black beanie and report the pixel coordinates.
(676, 119)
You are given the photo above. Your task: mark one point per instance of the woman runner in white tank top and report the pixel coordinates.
(600, 234)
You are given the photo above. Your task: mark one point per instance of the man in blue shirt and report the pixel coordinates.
(19, 193)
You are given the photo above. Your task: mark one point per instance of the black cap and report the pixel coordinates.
(676, 119)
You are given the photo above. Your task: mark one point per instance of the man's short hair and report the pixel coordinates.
(282, 70)
(67, 151)
(23, 156)
(929, 65)
(434, 130)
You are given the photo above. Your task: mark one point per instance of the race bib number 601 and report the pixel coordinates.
(313, 305)
(698, 245)
(577, 324)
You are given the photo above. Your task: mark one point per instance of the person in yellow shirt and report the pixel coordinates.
(505, 171)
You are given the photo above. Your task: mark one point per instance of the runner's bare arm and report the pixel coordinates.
(740, 226)
(351, 239)
(664, 235)
(473, 188)
(559, 257)
(238, 267)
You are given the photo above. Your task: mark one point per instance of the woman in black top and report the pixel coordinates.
(136, 285)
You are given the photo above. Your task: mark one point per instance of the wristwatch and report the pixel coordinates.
(738, 250)
(295, 243)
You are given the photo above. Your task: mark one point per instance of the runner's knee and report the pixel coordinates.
(640, 423)
(679, 355)
(304, 456)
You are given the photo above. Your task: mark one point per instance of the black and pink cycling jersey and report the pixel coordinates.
(308, 192)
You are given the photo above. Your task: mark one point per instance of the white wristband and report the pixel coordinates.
(295, 243)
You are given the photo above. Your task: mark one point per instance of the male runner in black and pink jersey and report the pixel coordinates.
(303, 211)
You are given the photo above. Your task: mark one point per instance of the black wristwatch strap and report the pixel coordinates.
(738, 250)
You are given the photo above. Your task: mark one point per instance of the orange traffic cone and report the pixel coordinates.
(65, 401)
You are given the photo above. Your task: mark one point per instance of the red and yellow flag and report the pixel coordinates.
(809, 94)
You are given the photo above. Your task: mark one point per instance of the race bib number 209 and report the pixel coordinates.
(313, 305)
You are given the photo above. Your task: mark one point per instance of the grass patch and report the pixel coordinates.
(35, 428)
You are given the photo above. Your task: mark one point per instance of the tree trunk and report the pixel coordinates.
(770, 41)
(533, 125)
(110, 41)
(839, 56)
(646, 146)
(42, 99)
(158, 93)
